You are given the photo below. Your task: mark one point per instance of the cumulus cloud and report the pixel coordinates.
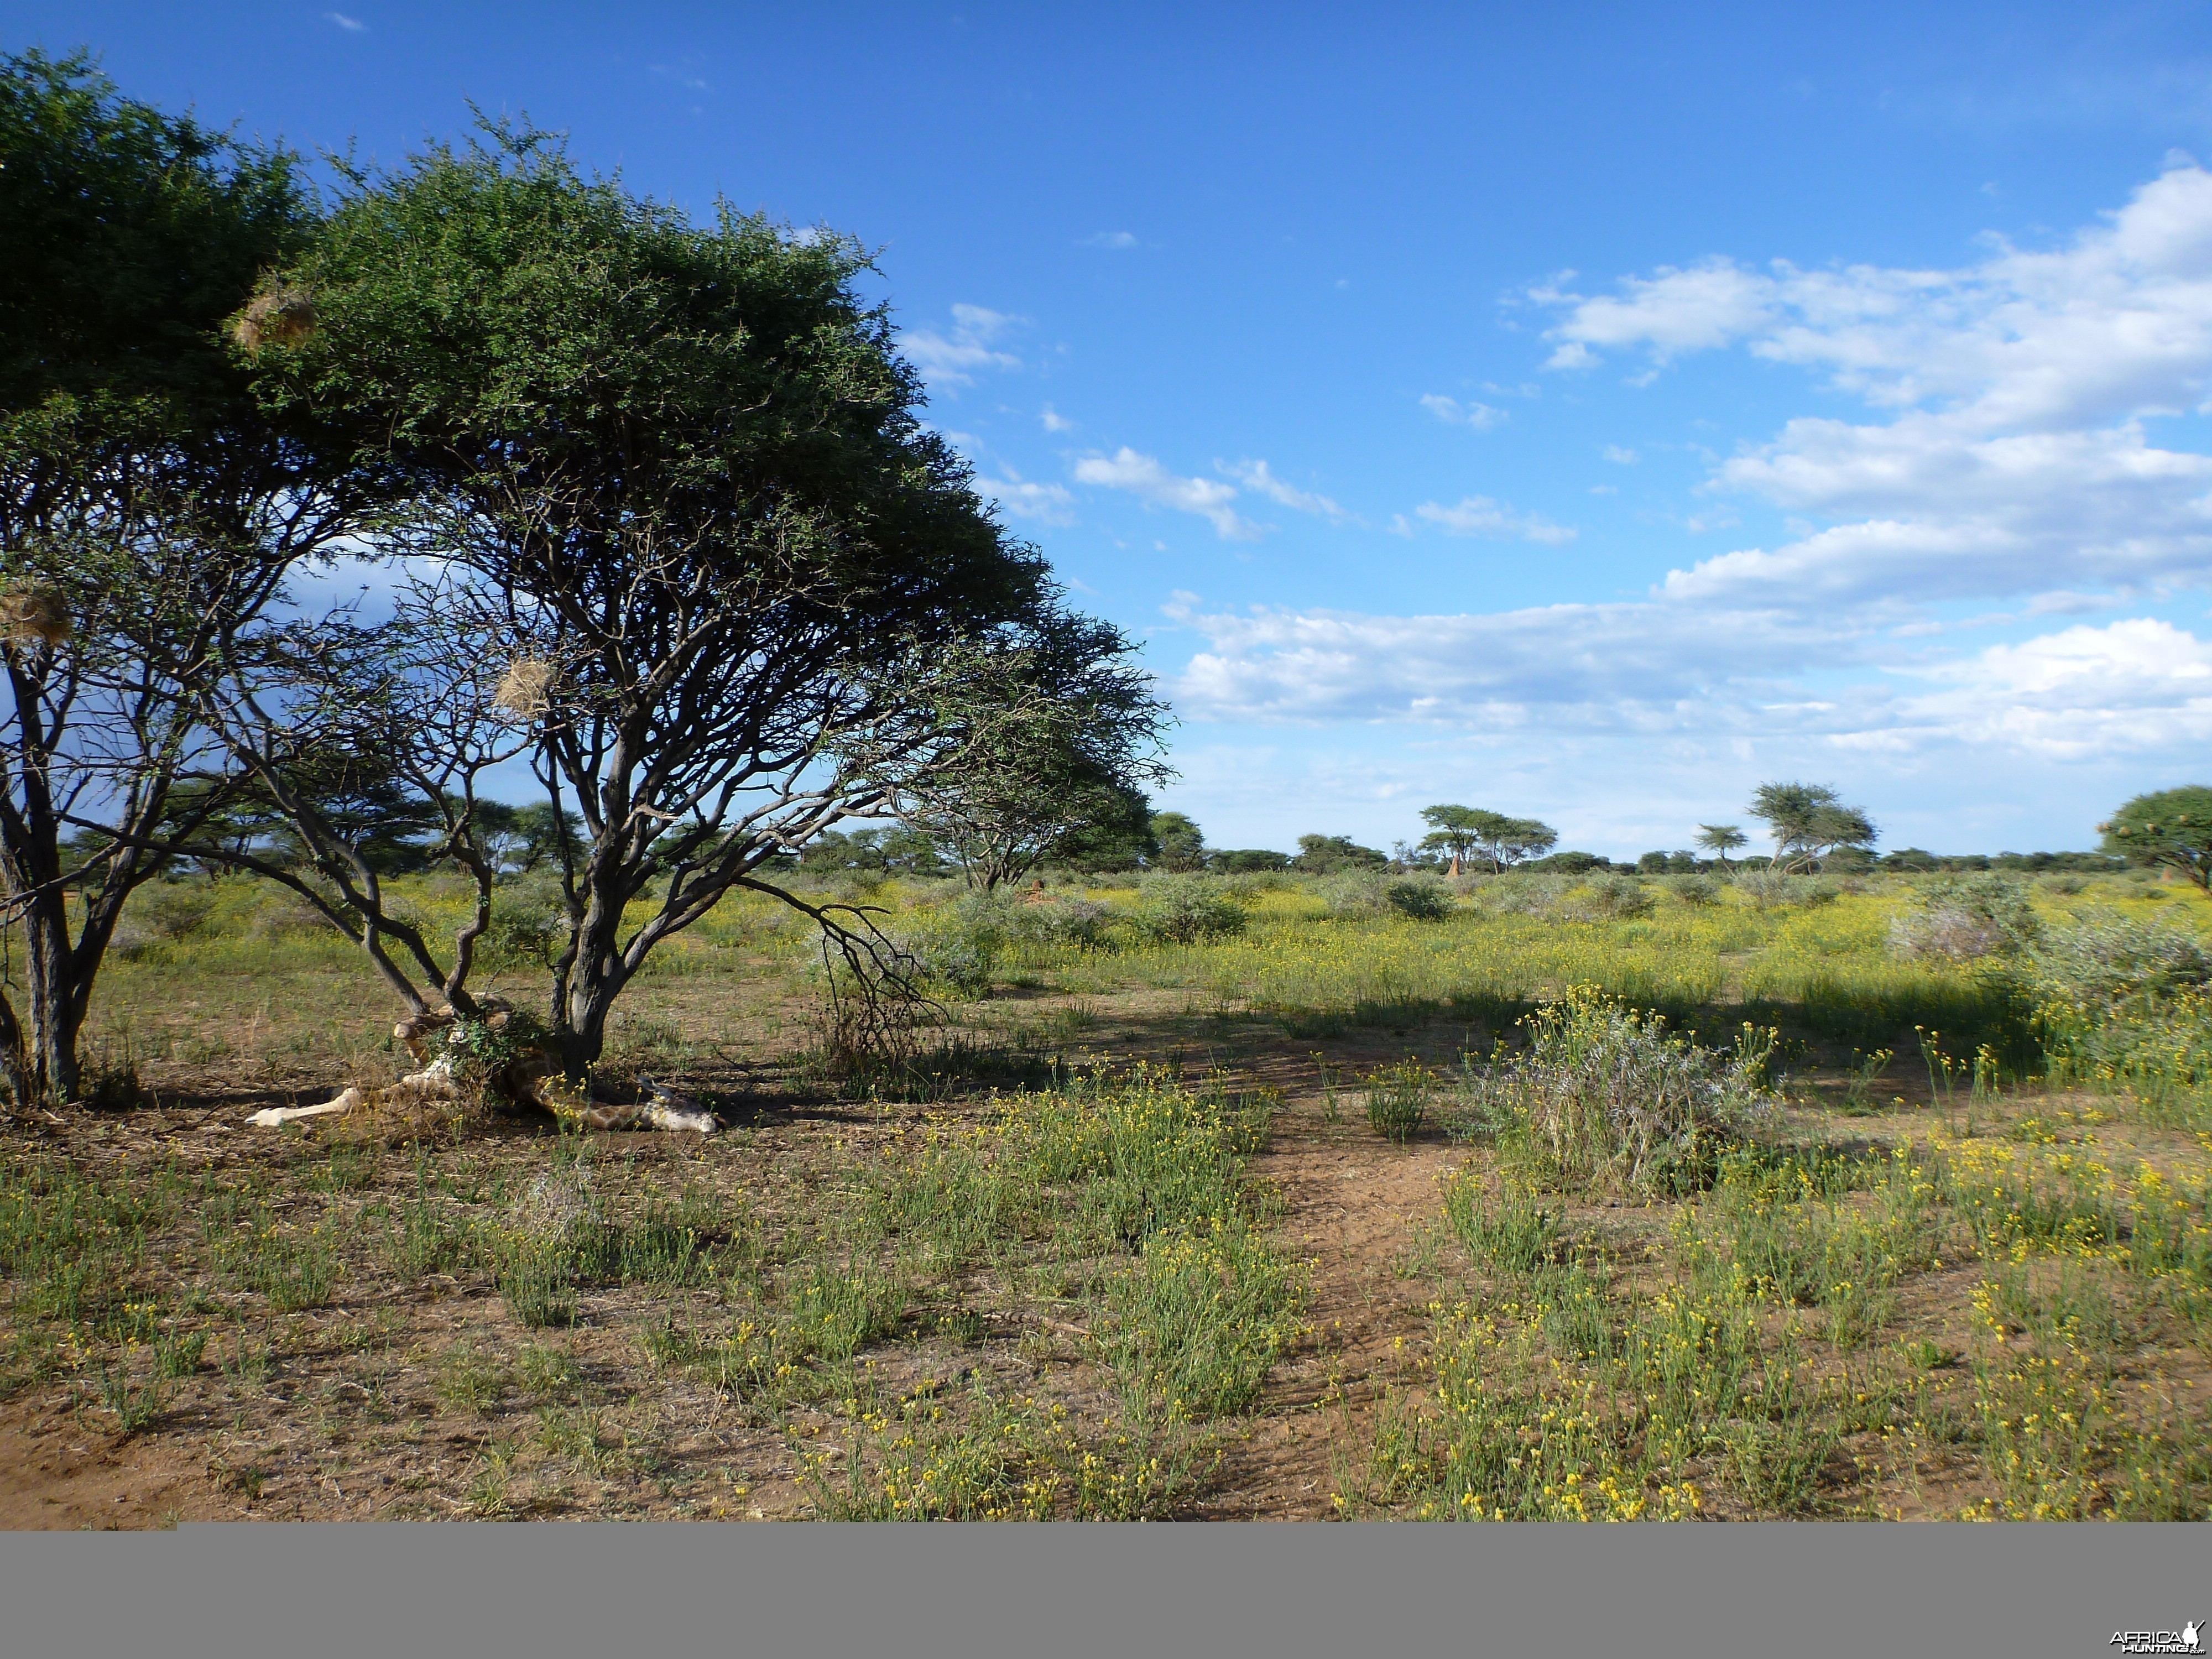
(956, 356)
(350, 25)
(1046, 503)
(1452, 412)
(1112, 239)
(2013, 451)
(1143, 478)
(1479, 515)
(1255, 476)
(2137, 685)
(1656, 672)
(1620, 664)
(1619, 456)
(1055, 422)
(1709, 305)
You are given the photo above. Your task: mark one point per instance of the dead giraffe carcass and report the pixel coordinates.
(530, 1080)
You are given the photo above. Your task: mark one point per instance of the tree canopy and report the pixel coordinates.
(2172, 827)
(655, 497)
(148, 505)
(1807, 820)
(1460, 832)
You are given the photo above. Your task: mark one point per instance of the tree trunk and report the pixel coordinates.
(15, 1057)
(593, 981)
(54, 1011)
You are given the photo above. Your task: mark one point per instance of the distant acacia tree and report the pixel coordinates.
(896, 850)
(1247, 860)
(1807, 820)
(1720, 840)
(1325, 855)
(1182, 847)
(1455, 832)
(2172, 827)
(1461, 831)
(1057, 727)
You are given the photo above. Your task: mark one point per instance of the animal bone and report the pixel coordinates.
(532, 1081)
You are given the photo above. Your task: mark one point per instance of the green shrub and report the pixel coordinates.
(1514, 1233)
(1608, 1097)
(1420, 900)
(1186, 911)
(1963, 920)
(1621, 896)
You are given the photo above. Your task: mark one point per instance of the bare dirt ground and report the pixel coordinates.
(431, 1399)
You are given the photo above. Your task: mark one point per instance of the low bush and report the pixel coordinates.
(1964, 919)
(1188, 910)
(1608, 1097)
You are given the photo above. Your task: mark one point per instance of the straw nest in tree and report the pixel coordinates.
(279, 315)
(526, 690)
(33, 612)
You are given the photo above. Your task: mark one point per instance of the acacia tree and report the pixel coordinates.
(1181, 843)
(1808, 820)
(1721, 839)
(1054, 728)
(1503, 841)
(299, 706)
(1456, 830)
(678, 470)
(147, 506)
(2172, 827)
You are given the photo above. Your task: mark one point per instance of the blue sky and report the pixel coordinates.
(1582, 411)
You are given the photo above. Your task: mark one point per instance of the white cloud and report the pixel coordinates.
(1113, 238)
(1620, 457)
(1659, 672)
(2139, 685)
(350, 25)
(1046, 503)
(1254, 474)
(1452, 412)
(1054, 421)
(1479, 515)
(1624, 665)
(956, 356)
(2013, 453)
(1144, 478)
(1677, 311)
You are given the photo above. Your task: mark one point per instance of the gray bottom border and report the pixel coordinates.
(541, 1590)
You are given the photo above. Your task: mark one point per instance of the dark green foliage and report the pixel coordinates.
(133, 236)
(1181, 847)
(2172, 827)
(1247, 861)
(1327, 855)
(1808, 819)
(1566, 864)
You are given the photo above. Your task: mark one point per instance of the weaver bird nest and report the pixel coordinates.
(33, 612)
(279, 315)
(526, 690)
